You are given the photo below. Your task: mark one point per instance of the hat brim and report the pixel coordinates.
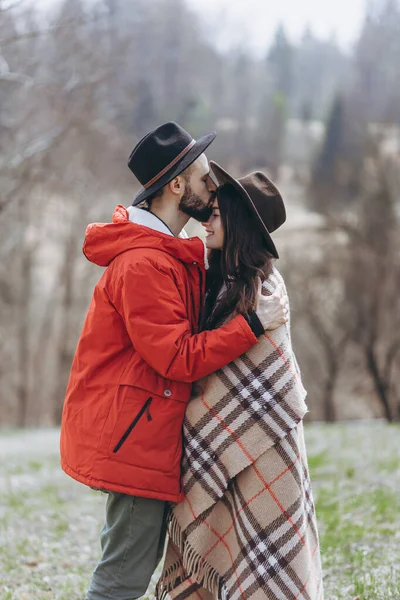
(224, 177)
(199, 147)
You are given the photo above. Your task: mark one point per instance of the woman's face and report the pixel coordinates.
(214, 229)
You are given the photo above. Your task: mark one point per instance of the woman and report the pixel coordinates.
(247, 526)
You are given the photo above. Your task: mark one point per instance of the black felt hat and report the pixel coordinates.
(261, 196)
(162, 155)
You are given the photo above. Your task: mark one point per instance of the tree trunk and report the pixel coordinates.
(23, 354)
(45, 339)
(329, 405)
(64, 357)
(380, 385)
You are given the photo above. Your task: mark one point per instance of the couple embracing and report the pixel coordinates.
(185, 402)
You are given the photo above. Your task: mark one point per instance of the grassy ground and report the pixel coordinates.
(50, 525)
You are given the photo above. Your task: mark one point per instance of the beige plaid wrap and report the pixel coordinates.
(247, 526)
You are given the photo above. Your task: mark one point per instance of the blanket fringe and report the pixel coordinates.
(190, 564)
(169, 580)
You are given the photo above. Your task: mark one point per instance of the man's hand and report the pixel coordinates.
(272, 310)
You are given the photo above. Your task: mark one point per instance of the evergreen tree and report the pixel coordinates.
(327, 185)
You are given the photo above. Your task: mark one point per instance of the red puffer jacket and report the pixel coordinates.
(137, 356)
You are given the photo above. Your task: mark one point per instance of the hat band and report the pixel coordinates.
(171, 164)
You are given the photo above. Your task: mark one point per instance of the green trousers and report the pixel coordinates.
(132, 542)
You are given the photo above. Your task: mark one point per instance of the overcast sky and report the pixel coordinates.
(253, 21)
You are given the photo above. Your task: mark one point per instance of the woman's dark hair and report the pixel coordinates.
(243, 258)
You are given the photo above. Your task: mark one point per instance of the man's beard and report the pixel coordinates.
(193, 206)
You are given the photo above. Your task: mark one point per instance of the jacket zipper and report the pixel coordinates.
(145, 408)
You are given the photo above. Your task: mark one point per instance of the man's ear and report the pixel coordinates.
(177, 185)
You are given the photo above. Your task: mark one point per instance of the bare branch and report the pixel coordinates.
(4, 202)
(336, 224)
(41, 144)
(17, 37)
(16, 78)
(11, 6)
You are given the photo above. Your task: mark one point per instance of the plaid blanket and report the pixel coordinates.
(247, 527)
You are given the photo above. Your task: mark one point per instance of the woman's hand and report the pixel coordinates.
(272, 310)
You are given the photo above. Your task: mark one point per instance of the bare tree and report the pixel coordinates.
(316, 284)
(373, 282)
(76, 95)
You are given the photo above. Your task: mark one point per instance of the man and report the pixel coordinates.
(139, 352)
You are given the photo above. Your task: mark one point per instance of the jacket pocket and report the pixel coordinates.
(145, 409)
(144, 429)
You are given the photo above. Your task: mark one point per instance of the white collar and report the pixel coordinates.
(148, 219)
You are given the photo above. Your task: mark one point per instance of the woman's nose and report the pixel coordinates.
(212, 186)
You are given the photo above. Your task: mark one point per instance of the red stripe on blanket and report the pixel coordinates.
(261, 478)
(237, 513)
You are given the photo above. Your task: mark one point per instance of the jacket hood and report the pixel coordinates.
(104, 241)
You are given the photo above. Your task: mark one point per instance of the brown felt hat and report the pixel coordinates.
(262, 197)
